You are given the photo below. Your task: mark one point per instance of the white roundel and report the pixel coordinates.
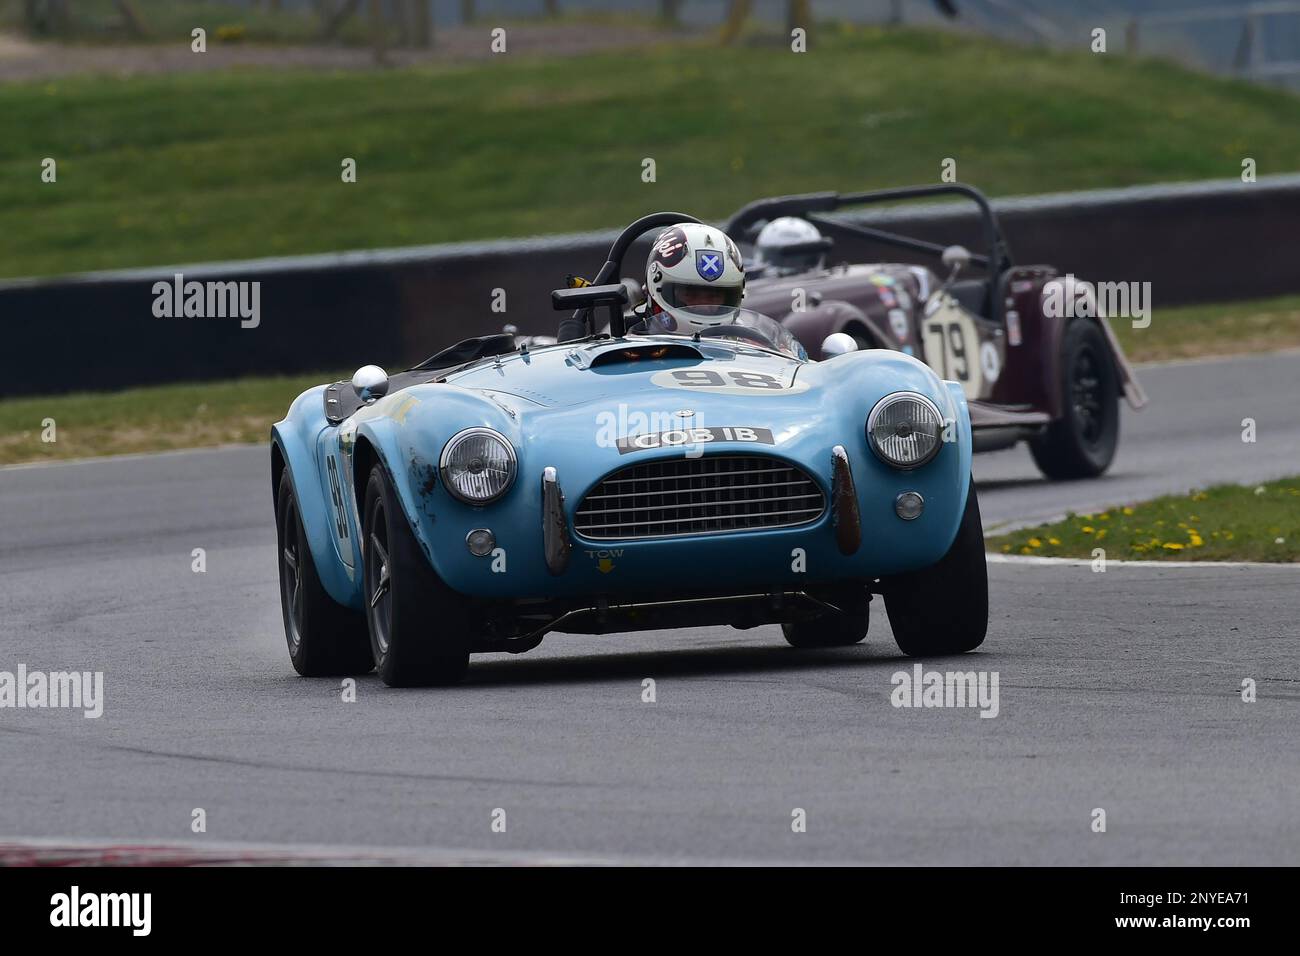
(694, 278)
(990, 363)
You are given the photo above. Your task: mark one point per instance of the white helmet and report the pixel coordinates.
(694, 278)
(790, 245)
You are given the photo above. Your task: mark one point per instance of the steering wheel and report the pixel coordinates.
(613, 266)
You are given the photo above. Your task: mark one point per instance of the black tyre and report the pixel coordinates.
(418, 626)
(831, 630)
(1082, 442)
(944, 609)
(325, 638)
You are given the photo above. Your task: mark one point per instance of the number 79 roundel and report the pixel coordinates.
(953, 348)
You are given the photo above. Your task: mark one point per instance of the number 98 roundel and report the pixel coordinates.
(735, 381)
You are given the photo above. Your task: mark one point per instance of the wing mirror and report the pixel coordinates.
(955, 258)
(838, 343)
(635, 293)
(370, 383)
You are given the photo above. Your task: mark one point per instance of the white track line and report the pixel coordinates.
(137, 455)
(1217, 357)
(996, 558)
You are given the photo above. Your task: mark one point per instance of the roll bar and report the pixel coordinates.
(995, 259)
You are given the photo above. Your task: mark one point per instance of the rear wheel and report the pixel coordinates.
(325, 638)
(418, 626)
(944, 609)
(1082, 442)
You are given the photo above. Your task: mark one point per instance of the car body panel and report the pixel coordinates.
(566, 407)
(897, 306)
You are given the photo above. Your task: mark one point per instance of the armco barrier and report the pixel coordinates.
(1194, 242)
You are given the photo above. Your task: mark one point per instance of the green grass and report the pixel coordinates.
(187, 416)
(1218, 329)
(157, 418)
(163, 169)
(1223, 523)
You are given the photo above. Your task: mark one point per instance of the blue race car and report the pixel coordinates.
(618, 482)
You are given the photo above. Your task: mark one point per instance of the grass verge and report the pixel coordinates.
(1222, 523)
(233, 165)
(157, 418)
(1263, 325)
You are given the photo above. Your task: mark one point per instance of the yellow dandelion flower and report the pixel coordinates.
(1053, 540)
(1087, 529)
(1172, 546)
(1035, 543)
(1127, 511)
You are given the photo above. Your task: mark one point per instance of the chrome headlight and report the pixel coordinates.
(905, 429)
(478, 465)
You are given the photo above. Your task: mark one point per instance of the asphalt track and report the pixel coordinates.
(1118, 691)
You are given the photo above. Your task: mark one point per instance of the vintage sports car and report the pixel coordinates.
(1053, 380)
(496, 493)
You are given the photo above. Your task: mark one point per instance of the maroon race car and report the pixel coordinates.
(1052, 381)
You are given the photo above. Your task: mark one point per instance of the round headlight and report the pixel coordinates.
(478, 465)
(906, 430)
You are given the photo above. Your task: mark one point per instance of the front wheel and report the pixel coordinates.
(1082, 442)
(418, 625)
(944, 609)
(833, 630)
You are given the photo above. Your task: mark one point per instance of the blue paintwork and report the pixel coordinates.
(558, 412)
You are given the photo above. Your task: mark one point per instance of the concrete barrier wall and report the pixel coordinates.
(1195, 242)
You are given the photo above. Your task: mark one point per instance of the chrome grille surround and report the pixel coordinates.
(712, 494)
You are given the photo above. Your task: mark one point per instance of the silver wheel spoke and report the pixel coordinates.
(291, 560)
(378, 549)
(380, 589)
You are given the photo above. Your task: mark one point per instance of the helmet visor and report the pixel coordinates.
(704, 301)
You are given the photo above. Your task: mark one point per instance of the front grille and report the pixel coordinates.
(707, 495)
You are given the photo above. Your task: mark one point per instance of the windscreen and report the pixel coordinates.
(738, 325)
